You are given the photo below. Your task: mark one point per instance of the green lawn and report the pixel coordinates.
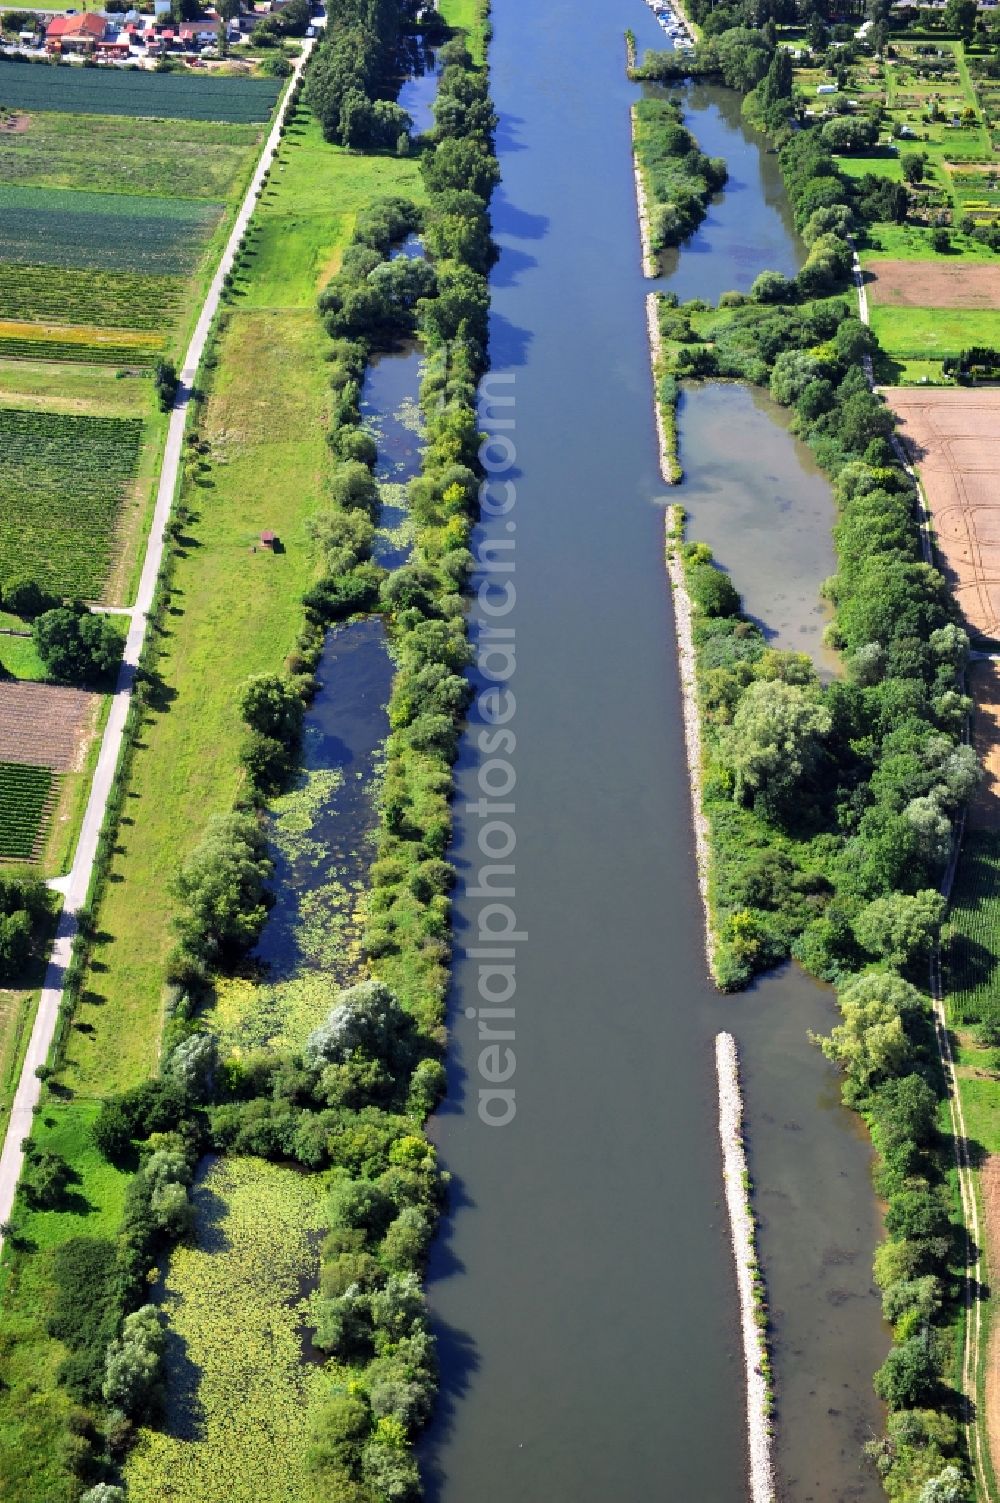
(929, 333)
(33, 1407)
(307, 213)
(19, 658)
(468, 16)
(885, 164)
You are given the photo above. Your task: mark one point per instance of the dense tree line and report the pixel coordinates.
(354, 73)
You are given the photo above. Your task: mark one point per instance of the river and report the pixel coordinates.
(582, 1287)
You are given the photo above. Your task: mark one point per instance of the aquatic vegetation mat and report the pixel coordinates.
(236, 1381)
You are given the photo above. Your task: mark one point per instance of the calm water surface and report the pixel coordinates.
(582, 1288)
(764, 507)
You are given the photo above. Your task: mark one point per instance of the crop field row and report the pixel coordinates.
(115, 300)
(63, 479)
(972, 955)
(107, 91)
(111, 231)
(25, 800)
(47, 155)
(140, 356)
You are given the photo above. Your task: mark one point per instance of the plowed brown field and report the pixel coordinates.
(953, 437)
(933, 284)
(46, 725)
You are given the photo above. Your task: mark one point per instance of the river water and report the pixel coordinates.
(582, 1287)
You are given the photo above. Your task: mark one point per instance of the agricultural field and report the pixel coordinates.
(112, 91)
(984, 685)
(941, 284)
(78, 343)
(116, 192)
(43, 151)
(972, 977)
(108, 299)
(48, 723)
(933, 333)
(65, 482)
(105, 231)
(25, 801)
(953, 436)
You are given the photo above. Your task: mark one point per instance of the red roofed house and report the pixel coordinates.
(74, 33)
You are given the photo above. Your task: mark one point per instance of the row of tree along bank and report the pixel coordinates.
(831, 807)
(352, 1100)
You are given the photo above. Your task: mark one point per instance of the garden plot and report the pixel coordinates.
(46, 725)
(64, 481)
(933, 284)
(953, 436)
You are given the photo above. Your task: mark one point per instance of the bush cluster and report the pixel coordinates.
(76, 645)
(681, 178)
(25, 908)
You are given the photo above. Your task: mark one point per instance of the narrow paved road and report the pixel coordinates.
(77, 884)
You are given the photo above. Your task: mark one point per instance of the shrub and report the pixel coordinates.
(222, 887)
(132, 1366)
(909, 1375)
(76, 645)
(712, 591)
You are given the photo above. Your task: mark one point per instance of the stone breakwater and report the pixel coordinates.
(650, 267)
(742, 1231)
(689, 706)
(667, 460)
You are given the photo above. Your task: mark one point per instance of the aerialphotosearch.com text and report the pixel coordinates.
(493, 814)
